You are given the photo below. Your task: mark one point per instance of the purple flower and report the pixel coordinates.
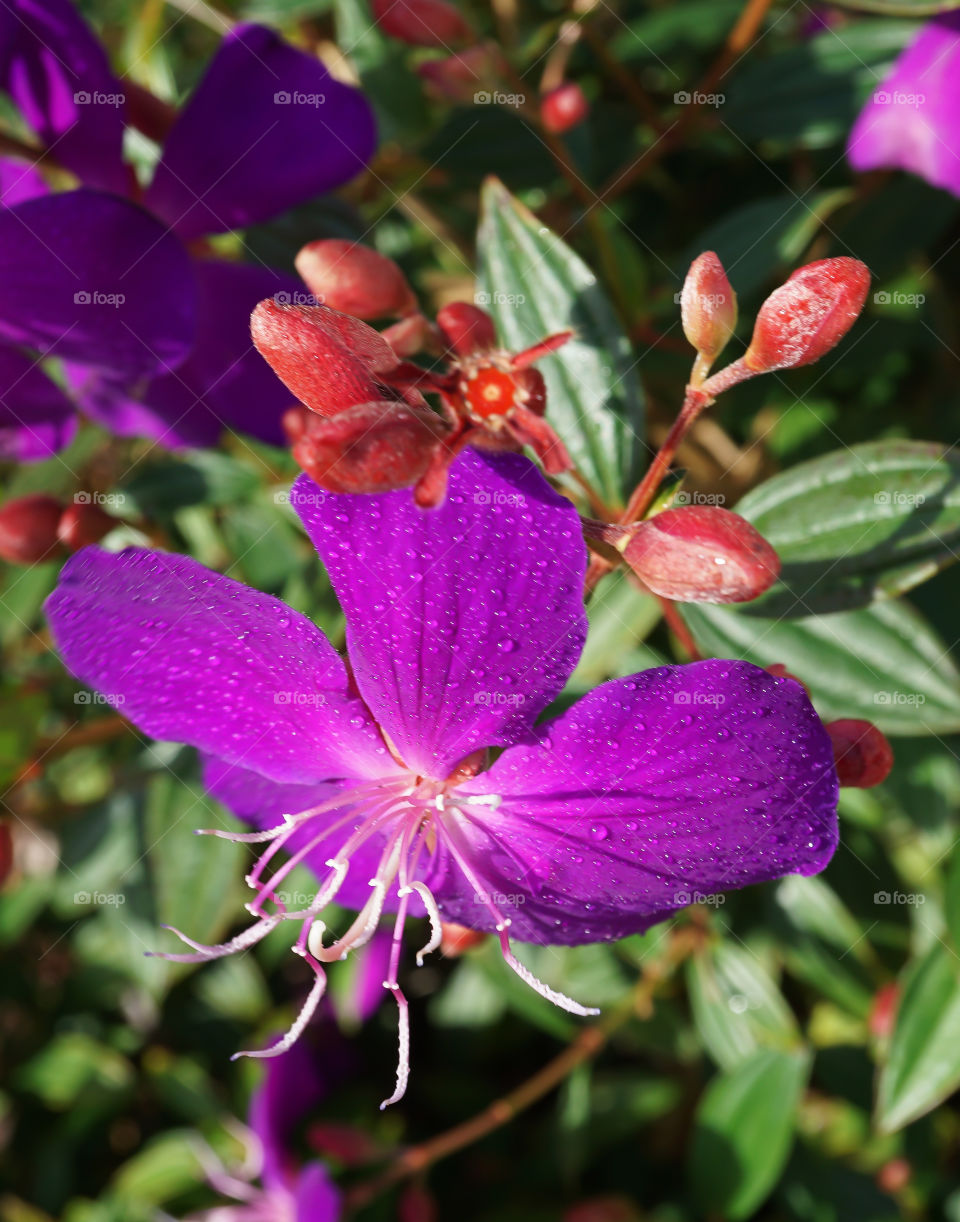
(912, 119)
(154, 340)
(463, 624)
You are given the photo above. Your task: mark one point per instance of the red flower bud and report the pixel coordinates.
(708, 306)
(779, 671)
(354, 279)
(803, 319)
(457, 78)
(423, 23)
(372, 447)
(328, 360)
(883, 1011)
(467, 328)
(28, 529)
(410, 335)
(563, 107)
(701, 554)
(894, 1176)
(83, 524)
(861, 752)
(457, 939)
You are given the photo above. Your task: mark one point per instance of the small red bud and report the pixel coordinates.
(803, 319)
(354, 279)
(373, 447)
(563, 107)
(423, 23)
(862, 754)
(779, 671)
(894, 1176)
(410, 335)
(28, 529)
(457, 939)
(701, 554)
(883, 1011)
(458, 78)
(708, 306)
(83, 524)
(294, 422)
(467, 328)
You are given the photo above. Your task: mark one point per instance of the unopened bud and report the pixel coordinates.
(410, 335)
(373, 447)
(701, 554)
(779, 671)
(28, 529)
(458, 78)
(563, 107)
(803, 319)
(83, 524)
(423, 23)
(354, 279)
(708, 307)
(883, 1011)
(457, 939)
(861, 752)
(467, 328)
(894, 1176)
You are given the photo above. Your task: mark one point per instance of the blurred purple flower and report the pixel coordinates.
(912, 120)
(154, 340)
(463, 624)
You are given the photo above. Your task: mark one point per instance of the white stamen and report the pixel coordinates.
(248, 937)
(306, 1013)
(558, 999)
(403, 1052)
(433, 913)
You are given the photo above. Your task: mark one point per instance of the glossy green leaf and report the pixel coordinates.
(195, 477)
(744, 1130)
(534, 284)
(923, 1065)
(860, 524)
(884, 663)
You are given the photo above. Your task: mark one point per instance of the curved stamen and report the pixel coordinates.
(365, 924)
(306, 1013)
(247, 938)
(403, 1009)
(433, 914)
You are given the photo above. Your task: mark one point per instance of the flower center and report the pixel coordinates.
(489, 389)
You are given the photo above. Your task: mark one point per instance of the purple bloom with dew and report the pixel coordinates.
(153, 336)
(463, 624)
(911, 121)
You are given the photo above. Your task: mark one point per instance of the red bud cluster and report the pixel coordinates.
(701, 554)
(33, 527)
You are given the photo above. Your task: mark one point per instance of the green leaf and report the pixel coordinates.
(74, 1067)
(923, 1066)
(195, 477)
(737, 1007)
(860, 524)
(744, 1130)
(951, 902)
(620, 618)
(884, 663)
(534, 284)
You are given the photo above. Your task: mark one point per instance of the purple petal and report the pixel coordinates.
(95, 279)
(223, 384)
(193, 657)
(912, 119)
(59, 78)
(19, 180)
(316, 1197)
(36, 417)
(652, 790)
(463, 622)
(254, 139)
(292, 1084)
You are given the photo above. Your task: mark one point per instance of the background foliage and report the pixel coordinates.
(756, 1068)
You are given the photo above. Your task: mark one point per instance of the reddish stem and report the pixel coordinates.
(694, 403)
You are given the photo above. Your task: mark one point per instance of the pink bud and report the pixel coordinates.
(883, 1011)
(803, 319)
(373, 447)
(708, 306)
(83, 524)
(458, 939)
(701, 554)
(563, 107)
(28, 529)
(467, 328)
(354, 279)
(862, 754)
(423, 23)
